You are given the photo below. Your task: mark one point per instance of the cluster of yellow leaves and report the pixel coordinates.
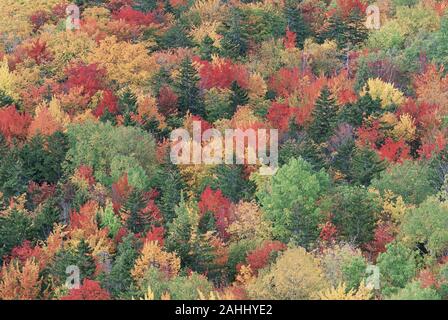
(67, 47)
(14, 18)
(208, 10)
(7, 80)
(153, 256)
(340, 293)
(405, 128)
(20, 282)
(249, 223)
(394, 207)
(96, 238)
(149, 295)
(147, 107)
(245, 275)
(296, 275)
(125, 63)
(210, 29)
(384, 91)
(257, 87)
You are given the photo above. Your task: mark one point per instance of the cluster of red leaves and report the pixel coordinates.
(89, 290)
(85, 173)
(347, 6)
(220, 206)
(156, 234)
(221, 74)
(328, 232)
(167, 101)
(370, 135)
(279, 116)
(88, 77)
(24, 252)
(424, 114)
(108, 102)
(427, 279)
(285, 81)
(39, 53)
(433, 144)
(134, 17)
(261, 257)
(394, 151)
(85, 219)
(383, 236)
(289, 41)
(14, 124)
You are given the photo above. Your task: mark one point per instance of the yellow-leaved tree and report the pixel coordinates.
(341, 293)
(384, 91)
(153, 255)
(127, 64)
(296, 275)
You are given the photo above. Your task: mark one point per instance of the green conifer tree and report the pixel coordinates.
(324, 117)
(188, 91)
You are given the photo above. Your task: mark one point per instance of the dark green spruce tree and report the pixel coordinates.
(187, 88)
(234, 43)
(239, 97)
(295, 22)
(325, 115)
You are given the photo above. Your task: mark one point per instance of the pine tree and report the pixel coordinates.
(234, 42)
(365, 166)
(119, 280)
(355, 28)
(239, 97)
(206, 48)
(80, 257)
(132, 208)
(128, 106)
(324, 117)
(185, 239)
(170, 185)
(5, 100)
(296, 22)
(188, 90)
(363, 108)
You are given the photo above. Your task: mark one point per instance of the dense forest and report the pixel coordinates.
(93, 208)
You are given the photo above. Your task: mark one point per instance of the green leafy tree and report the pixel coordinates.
(289, 201)
(409, 179)
(15, 228)
(427, 225)
(414, 291)
(43, 156)
(81, 256)
(98, 144)
(397, 267)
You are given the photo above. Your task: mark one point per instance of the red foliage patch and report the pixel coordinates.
(220, 206)
(260, 258)
(222, 74)
(90, 290)
(14, 124)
